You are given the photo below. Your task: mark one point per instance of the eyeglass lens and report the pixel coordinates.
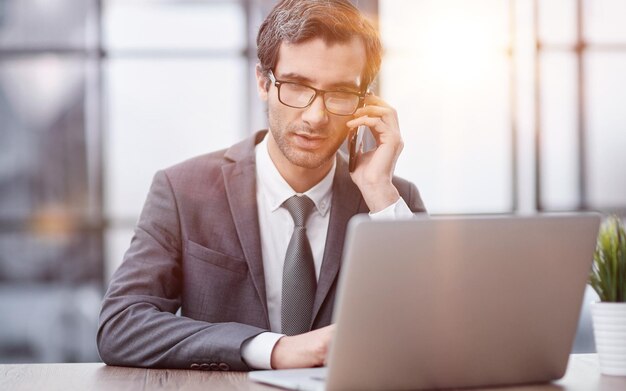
(300, 96)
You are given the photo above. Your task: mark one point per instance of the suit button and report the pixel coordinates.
(224, 367)
(213, 366)
(194, 366)
(204, 366)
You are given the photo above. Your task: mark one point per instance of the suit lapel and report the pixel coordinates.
(345, 204)
(240, 184)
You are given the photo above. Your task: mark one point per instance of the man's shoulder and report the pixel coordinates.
(199, 168)
(201, 163)
(211, 163)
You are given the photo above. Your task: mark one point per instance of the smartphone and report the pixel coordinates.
(355, 141)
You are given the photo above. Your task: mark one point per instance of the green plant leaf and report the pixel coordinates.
(608, 271)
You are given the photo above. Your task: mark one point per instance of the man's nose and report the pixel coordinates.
(316, 113)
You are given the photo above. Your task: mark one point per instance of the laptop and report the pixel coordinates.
(454, 302)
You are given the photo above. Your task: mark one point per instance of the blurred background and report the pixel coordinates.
(506, 106)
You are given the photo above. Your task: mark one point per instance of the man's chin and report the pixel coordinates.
(307, 159)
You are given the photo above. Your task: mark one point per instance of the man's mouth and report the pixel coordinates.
(308, 141)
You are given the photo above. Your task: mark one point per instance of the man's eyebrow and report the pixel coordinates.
(305, 80)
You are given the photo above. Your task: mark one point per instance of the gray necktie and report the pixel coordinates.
(299, 282)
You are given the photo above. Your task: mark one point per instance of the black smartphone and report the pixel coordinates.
(355, 140)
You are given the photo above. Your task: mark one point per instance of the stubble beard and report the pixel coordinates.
(300, 158)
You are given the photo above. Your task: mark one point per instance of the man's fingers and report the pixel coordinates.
(372, 122)
(374, 100)
(374, 111)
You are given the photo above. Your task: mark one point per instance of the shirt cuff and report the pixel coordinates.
(399, 210)
(257, 351)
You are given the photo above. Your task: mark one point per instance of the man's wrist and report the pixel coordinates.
(277, 360)
(257, 351)
(399, 210)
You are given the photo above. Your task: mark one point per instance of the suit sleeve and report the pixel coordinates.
(138, 326)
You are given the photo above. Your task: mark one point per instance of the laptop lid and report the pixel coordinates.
(459, 301)
(454, 302)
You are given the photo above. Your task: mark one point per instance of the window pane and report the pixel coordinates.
(559, 142)
(557, 21)
(434, 26)
(49, 251)
(449, 81)
(606, 124)
(174, 25)
(457, 134)
(161, 112)
(604, 21)
(43, 162)
(48, 323)
(49, 23)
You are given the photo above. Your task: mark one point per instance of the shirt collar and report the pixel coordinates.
(276, 190)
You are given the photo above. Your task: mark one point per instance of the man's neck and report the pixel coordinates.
(299, 178)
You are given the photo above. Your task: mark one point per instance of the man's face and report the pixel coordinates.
(310, 137)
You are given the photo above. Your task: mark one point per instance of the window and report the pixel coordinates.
(509, 106)
(447, 72)
(95, 97)
(50, 239)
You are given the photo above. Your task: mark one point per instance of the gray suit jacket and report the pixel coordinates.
(197, 247)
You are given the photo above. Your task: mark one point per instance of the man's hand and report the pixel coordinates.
(303, 350)
(374, 169)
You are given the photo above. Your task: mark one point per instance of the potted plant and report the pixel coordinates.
(608, 279)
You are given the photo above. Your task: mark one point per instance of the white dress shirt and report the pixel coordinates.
(276, 227)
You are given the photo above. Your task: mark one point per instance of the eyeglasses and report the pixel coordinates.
(300, 96)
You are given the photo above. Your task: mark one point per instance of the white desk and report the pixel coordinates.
(582, 375)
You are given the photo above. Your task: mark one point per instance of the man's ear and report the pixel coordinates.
(262, 82)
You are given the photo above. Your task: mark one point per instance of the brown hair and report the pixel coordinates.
(296, 21)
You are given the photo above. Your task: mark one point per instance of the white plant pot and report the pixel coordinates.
(609, 329)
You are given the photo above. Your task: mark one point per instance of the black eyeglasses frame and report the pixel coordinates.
(277, 83)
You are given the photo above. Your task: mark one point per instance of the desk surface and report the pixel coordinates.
(582, 375)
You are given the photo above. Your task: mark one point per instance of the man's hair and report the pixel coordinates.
(295, 21)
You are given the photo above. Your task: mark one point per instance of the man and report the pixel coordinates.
(215, 235)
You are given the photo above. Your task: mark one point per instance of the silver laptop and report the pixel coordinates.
(454, 302)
